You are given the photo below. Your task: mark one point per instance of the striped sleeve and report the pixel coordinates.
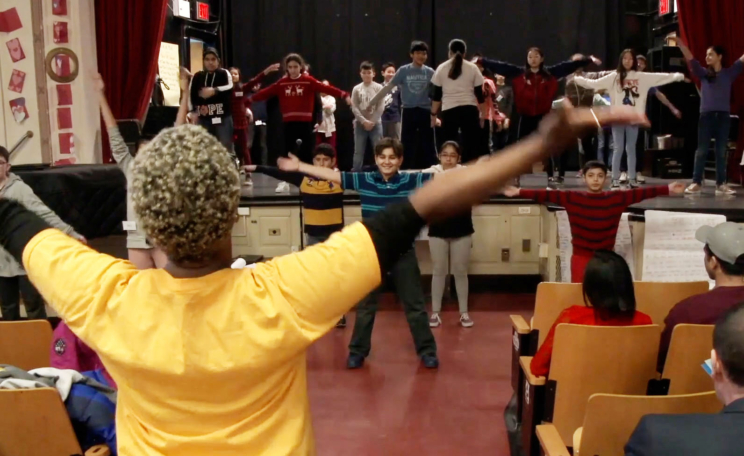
(350, 181)
(639, 194)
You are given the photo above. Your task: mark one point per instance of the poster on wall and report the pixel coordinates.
(60, 32)
(64, 95)
(59, 7)
(16, 50)
(64, 118)
(66, 143)
(18, 108)
(17, 78)
(10, 21)
(169, 67)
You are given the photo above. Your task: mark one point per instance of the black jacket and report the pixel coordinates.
(220, 104)
(720, 434)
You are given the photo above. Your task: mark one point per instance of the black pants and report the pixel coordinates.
(589, 146)
(11, 290)
(560, 162)
(299, 130)
(462, 124)
(500, 138)
(417, 137)
(523, 126)
(407, 280)
(259, 149)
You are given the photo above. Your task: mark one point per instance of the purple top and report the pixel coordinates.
(716, 95)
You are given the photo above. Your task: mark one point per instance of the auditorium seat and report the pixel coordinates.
(25, 344)
(586, 360)
(610, 420)
(689, 348)
(656, 299)
(35, 423)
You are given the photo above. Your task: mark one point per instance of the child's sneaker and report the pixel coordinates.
(434, 320)
(724, 189)
(693, 189)
(465, 321)
(615, 185)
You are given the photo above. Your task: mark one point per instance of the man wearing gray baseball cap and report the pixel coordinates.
(724, 261)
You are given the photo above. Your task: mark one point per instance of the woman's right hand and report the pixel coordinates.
(291, 163)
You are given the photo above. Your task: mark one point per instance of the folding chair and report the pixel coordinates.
(26, 344)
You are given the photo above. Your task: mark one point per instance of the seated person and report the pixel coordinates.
(724, 262)
(704, 434)
(609, 300)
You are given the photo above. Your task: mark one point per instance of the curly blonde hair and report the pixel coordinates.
(186, 192)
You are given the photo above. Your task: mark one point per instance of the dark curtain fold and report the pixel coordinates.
(718, 22)
(128, 35)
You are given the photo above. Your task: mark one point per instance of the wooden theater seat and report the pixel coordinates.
(656, 299)
(35, 423)
(690, 347)
(586, 360)
(610, 420)
(25, 344)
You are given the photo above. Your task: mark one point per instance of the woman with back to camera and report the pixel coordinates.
(210, 359)
(627, 87)
(457, 88)
(609, 300)
(715, 112)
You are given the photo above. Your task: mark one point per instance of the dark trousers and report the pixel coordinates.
(561, 162)
(523, 126)
(223, 131)
(712, 125)
(11, 290)
(465, 120)
(407, 280)
(241, 146)
(417, 137)
(500, 138)
(299, 130)
(259, 148)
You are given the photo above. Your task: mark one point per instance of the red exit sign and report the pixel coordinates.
(665, 7)
(202, 11)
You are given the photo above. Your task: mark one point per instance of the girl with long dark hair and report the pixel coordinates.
(457, 88)
(715, 112)
(627, 87)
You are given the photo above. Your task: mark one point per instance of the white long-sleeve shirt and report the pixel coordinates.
(634, 90)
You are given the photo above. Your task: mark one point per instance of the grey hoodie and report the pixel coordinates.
(16, 189)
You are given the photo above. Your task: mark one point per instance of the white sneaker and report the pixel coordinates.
(282, 187)
(640, 178)
(434, 320)
(623, 177)
(724, 189)
(248, 182)
(465, 321)
(693, 189)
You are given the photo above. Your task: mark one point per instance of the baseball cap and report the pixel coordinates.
(211, 50)
(725, 241)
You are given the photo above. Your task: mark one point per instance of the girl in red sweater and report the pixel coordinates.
(296, 92)
(239, 105)
(609, 300)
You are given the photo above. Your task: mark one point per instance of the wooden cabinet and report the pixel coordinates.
(268, 231)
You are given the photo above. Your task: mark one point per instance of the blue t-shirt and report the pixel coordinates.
(414, 85)
(375, 193)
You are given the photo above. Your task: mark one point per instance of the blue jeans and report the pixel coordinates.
(360, 142)
(604, 147)
(712, 125)
(624, 137)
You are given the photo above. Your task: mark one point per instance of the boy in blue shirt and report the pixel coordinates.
(413, 82)
(376, 190)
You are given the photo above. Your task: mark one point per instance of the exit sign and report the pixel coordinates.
(665, 7)
(202, 11)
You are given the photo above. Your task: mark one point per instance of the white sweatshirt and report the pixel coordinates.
(634, 90)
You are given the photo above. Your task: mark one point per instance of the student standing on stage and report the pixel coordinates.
(195, 326)
(505, 105)
(296, 92)
(413, 81)
(628, 87)
(715, 112)
(367, 127)
(450, 243)
(241, 92)
(492, 115)
(391, 114)
(326, 131)
(259, 147)
(595, 214)
(211, 97)
(457, 90)
(377, 190)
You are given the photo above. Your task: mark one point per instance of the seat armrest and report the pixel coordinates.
(525, 361)
(98, 450)
(550, 441)
(520, 324)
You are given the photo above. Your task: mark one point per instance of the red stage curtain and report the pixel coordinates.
(718, 22)
(128, 34)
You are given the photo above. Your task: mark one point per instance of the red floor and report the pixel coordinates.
(393, 406)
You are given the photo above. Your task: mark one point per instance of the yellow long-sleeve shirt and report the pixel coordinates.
(212, 365)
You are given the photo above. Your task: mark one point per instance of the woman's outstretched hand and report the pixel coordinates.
(291, 163)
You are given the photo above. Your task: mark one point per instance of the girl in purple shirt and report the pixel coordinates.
(715, 113)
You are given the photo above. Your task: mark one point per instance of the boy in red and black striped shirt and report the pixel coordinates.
(595, 214)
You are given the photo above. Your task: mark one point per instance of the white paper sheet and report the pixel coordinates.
(670, 251)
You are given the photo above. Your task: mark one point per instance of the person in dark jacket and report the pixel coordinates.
(211, 98)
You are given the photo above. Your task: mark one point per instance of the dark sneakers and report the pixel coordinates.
(354, 361)
(430, 361)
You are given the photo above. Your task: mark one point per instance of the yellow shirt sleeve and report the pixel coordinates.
(78, 282)
(321, 283)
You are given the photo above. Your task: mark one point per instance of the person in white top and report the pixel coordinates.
(366, 126)
(457, 88)
(629, 87)
(326, 130)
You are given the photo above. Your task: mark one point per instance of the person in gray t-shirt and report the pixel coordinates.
(366, 126)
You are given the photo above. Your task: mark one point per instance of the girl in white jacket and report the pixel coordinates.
(627, 86)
